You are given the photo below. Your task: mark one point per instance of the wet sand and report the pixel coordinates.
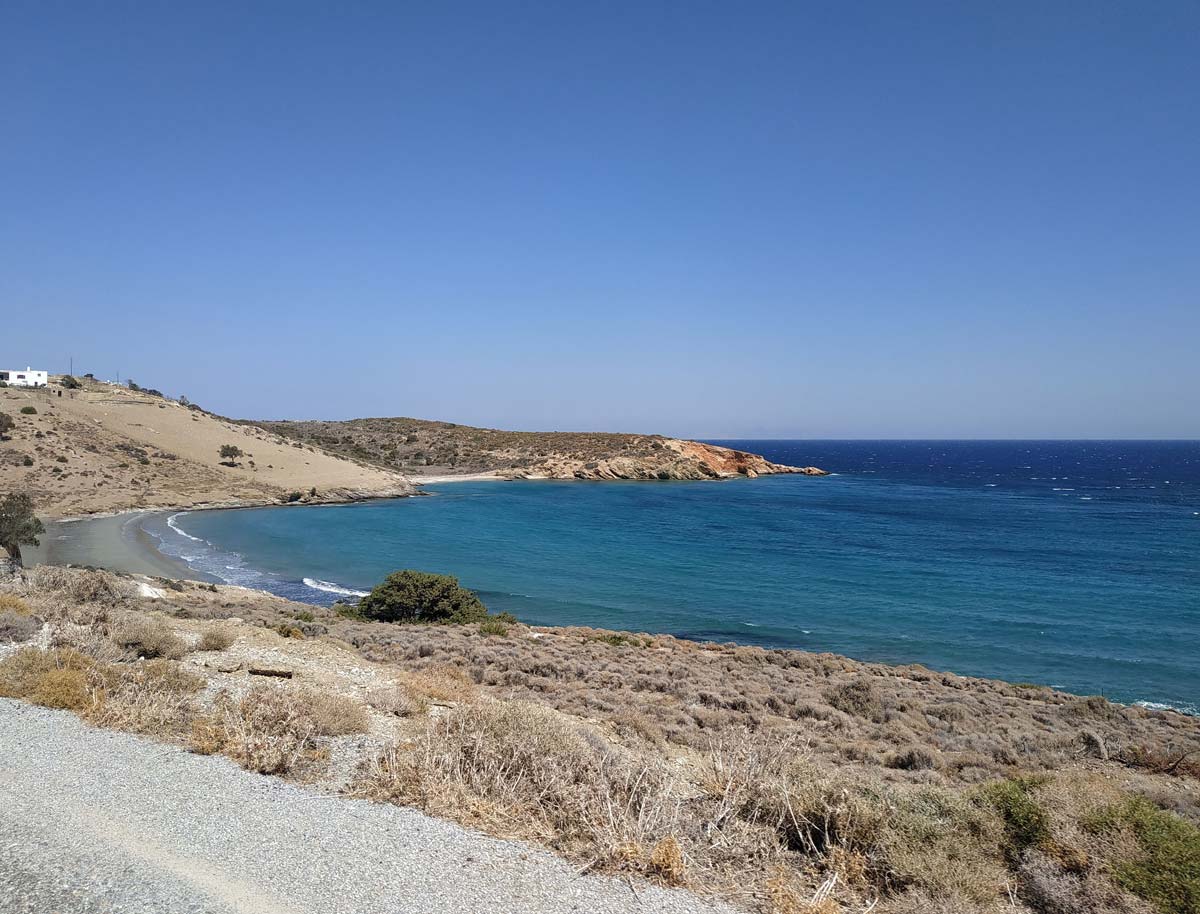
(117, 543)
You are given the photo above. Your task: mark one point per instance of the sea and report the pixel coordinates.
(1074, 564)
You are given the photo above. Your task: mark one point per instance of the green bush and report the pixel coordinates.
(493, 625)
(29, 410)
(1167, 872)
(347, 611)
(416, 596)
(70, 383)
(1026, 822)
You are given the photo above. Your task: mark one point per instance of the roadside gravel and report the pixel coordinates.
(96, 821)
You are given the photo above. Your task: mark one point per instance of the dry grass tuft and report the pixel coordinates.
(397, 700)
(216, 638)
(154, 697)
(13, 604)
(81, 585)
(17, 626)
(666, 861)
(441, 683)
(62, 688)
(520, 769)
(53, 679)
(278, 730)
(150, 638)
(858, 697)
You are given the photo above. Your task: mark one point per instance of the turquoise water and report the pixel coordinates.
(1075, 564)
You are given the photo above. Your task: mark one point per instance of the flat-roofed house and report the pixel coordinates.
(26, 378)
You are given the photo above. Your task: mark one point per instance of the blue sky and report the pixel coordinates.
(709, 219)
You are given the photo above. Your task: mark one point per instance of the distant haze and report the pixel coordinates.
(709, 220)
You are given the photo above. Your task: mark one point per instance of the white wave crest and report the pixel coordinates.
(330, 587)
(1190, 710)
(174, 526)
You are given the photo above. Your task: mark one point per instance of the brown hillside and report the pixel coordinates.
(107, 448)
(419, 446)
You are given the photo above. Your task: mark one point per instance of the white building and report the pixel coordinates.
(26, 378)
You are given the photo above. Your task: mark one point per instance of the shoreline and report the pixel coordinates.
(116, 542)
(120, 543)
(460, 477)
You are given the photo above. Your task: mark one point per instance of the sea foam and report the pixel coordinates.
(331, 587)
(174, 526)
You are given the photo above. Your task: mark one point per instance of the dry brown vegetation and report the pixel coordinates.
(784, 781)
(419, 446)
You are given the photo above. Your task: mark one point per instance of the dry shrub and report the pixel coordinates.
(441, 683)
(54, 679)
(913, 759)
(81, 585)
(859, 698)
(892, 836)
(397, 700)
(1048, 889)
(1182, 762)
(154, 697)
(149, 638)
(631, 725)
(521, 769)
(13, 604)
(336, 715)
(785, 894)
(666, 861)
(216, 638)
(92, 640)
(62, 688)
(278, 730)
(16, 626)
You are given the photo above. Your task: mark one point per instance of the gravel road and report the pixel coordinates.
(98, 821)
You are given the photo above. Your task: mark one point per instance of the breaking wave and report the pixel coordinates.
(330, 587)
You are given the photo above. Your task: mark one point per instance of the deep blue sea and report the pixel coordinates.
(1074, 564)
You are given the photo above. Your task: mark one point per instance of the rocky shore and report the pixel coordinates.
(669, 458)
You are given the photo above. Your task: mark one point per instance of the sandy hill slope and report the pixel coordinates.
(419, 446)
(106, 448)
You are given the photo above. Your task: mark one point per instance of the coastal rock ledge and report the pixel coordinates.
(665, 458)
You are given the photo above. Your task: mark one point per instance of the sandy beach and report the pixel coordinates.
(116, 542)
(456, 477)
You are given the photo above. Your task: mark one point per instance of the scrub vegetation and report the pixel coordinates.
(420, 445)
(779, 780)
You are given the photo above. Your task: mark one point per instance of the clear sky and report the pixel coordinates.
(803, 219)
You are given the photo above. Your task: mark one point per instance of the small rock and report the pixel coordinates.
(279, 672)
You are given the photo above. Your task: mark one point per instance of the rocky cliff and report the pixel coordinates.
(669, 458)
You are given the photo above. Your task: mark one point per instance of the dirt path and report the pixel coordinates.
(99, 821)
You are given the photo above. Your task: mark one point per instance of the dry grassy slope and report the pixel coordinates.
(420, 446)
(106, 448)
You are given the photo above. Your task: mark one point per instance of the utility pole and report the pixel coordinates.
(72, 371)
